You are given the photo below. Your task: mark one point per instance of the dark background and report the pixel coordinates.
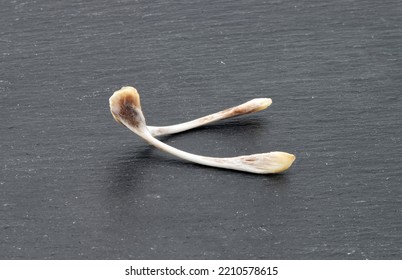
(76, 185)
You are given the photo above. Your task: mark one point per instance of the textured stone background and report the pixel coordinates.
(75, 185)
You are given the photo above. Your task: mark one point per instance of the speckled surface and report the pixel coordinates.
(76, 185)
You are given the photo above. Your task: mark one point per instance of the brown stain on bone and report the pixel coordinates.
(130, 114)
(125, 104)
(240, 110)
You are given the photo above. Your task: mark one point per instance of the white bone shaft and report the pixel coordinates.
(272, 162)
(251, 106)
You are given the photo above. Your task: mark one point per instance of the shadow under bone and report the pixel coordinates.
(255, 126)
(134, 167)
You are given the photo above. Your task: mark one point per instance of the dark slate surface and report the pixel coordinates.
(76, 185)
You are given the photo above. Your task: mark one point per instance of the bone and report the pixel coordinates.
(252, 106)
(125, 107)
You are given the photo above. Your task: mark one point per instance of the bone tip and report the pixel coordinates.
(125, 95)
(263, 103)
(283, 161)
